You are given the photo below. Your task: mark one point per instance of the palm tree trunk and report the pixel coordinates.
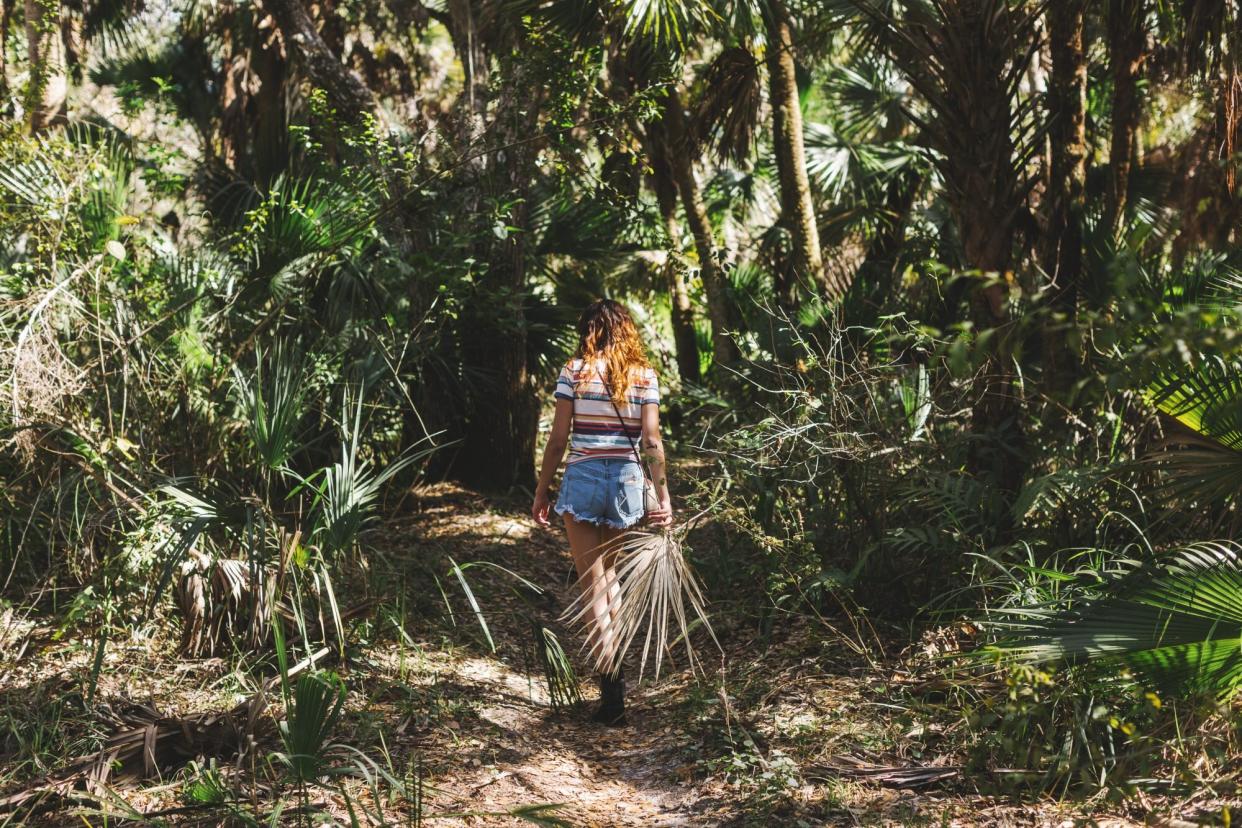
(974, 133)
(1062, 251)
(498, 445)
(724, 351)
(498, 434)
(996, 415)
(48, 85)
(685, 342)
(1127, 51)
(797, 206)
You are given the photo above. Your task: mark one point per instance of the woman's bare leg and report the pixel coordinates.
(608, 543)
(586, 544)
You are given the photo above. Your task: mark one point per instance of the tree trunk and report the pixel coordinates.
(996, 453)
(498, 434)
(973, 132)
(681, 159)
(45, 52)
(346, 92)
(797, 206)
(1062, 241)
(685, 341)
(875, 274)
(1127, 51)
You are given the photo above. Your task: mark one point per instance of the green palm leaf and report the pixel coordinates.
(317, 702)
(273, 401)
(661, 21)
(1179, 626)
(1204, 458)
(345, 493)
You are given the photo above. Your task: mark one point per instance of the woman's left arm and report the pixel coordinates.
(653, 450)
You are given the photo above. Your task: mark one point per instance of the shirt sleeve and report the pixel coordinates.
(565, 385)
(651, 393)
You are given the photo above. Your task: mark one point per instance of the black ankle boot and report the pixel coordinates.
(611, 710)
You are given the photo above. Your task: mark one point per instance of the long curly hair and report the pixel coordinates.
(606, 333)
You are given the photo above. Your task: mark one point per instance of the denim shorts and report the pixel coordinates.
(603, 491)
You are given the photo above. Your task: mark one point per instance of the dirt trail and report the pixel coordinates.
(623, 776)
(518, 751)
(669, 766)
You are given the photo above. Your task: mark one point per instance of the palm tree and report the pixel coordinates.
(797, 205)
(966, 59)
(1061, 255)
(1127, 53)
(647, 43)
(682, 156)
(47, 85)
(685, 340)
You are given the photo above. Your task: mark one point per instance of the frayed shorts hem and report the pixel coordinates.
(563, 508)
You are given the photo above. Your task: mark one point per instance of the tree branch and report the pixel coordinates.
(345, 89)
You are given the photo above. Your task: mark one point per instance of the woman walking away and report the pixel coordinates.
(607, 411)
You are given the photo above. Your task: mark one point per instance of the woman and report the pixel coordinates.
(607, 411)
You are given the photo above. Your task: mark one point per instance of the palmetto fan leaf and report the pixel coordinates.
(346, 491)
(558, 672)
(96, 196)
(661, 21)
(315, 705)
(840, 167)
(307, 218)
(33, 183)
(1204, 456)
(867, 95)
(966, 61)
(273, 401)
(655, 594)
(1179, 625)
(727, 113)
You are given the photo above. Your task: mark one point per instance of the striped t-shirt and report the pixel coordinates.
(597, 431)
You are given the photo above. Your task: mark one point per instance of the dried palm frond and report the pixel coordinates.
(654, 589)
(228, 604)
(906, 776)
(222, 605)
(146, 742)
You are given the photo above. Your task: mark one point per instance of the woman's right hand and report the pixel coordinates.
(539, 510)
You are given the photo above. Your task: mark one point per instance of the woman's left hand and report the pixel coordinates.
(662, 516)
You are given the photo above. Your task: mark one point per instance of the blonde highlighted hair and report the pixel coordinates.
(606, 333)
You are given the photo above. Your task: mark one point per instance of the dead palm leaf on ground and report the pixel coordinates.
(655, 594)
(146, 743)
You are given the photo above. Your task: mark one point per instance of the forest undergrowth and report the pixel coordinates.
(447, 717)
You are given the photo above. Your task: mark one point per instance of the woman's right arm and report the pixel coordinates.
(558, 440)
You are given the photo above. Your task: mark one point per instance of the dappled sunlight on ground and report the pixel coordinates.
(432, 696)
